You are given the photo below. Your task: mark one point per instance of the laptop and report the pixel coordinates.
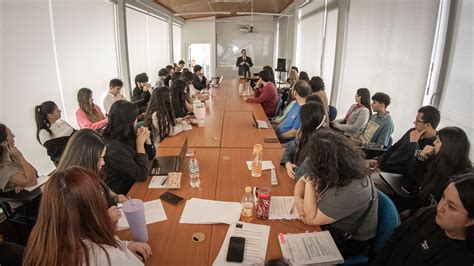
(259, 123)
(401, 185)
(216, 81)
(166, 164)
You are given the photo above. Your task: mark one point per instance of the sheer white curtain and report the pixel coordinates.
(457, 96)
(86, 49)
(310, 43)
(329, 50)
(148, 44)
(177, 43)
(158, 53)
(388, 49)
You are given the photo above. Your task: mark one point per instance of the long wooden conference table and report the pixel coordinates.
(222, 148)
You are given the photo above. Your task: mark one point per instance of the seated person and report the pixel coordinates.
(442, 235)
(317, 88)
(163, 78)
(160, 119)
(379, 129)
(397, 158)
(74, 224)
(180, 99)
(191, 91)
(115, 86)
(51, 131)
(287, 129)
(141, 93)
(89, 115)
(267, 96)
(449, 156)
(295, 157)
(15, 171)
(337, 191)
(181, 65)
(357, 115)
(87, 149)
(199, 80)
(128, 152)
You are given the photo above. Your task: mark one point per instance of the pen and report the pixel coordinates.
(164, 180)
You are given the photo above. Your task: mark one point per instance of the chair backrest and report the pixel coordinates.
(278, 106)
(332, 113)
(388, 220)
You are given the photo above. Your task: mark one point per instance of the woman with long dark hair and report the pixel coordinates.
(180, 99)
(295, 158)
(160, 117)
(15, 171)
(51, 131)
(74, 225)
(89, 115)
(337, 191)
(87, 149)
(448, 156)
(357, 116)
(442, 235)
(129, 152)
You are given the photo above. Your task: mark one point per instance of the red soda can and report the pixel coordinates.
(263, 204)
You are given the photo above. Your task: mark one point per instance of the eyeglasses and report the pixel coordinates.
(418, 122)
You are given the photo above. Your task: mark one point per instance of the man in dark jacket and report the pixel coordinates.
(244, 63)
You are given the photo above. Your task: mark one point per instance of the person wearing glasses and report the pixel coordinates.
(397, 158)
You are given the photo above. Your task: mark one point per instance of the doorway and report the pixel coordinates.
(200, 54)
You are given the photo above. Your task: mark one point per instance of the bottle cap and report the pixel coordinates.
(257, 148)
(248, 189)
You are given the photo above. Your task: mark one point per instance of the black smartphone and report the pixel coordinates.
(271, 140)
(171, 198)
(235, 253)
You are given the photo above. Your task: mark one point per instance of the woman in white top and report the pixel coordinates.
(51, 131)
(353, 124)
(73, 227)
(160, 118)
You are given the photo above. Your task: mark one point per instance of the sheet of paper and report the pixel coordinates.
(256, 241)
(201, 211)
(156, 181)
(282, 207)
(262, 124)
(266, 165)
(310, 248)
(41, 180)
(154, 212)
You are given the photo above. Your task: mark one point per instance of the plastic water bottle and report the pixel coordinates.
(248, 203)
(194, 172)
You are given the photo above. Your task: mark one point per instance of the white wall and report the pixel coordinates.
(457, 96)
(201, 31)
(388, 49)
(260, 44)
(29, 73)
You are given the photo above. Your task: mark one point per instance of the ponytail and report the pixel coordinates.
(41, 116)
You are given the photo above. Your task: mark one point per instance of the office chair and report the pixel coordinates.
(388, 220)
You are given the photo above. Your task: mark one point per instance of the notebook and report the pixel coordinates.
(259, 123)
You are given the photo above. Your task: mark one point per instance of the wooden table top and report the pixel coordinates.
(222, 147)
(239, 132)
(171, 241)
(234, 176)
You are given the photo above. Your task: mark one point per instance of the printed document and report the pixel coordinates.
(282, 207)
(310, 248)
(256, 241)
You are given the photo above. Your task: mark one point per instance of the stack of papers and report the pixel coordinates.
(201, 211)
(266, 165)
(282, 207)
(154, 212)
(256, 241)
(309, 248)
(41, 180)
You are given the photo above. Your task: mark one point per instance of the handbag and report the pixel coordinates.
(340, 237)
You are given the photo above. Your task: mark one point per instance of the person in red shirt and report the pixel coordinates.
(266, 95)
